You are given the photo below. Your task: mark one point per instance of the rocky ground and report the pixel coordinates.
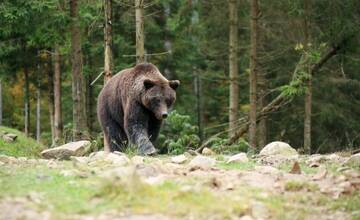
(277, 184)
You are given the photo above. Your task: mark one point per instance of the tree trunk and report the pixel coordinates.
(253, 71)
(49, 73)
(27, 102)
(308, 93)
(58, 125)
(262, 123)
(38, 114)
(233, 67)
(1, 106)
(262, 87)
(108, 40)
(78, 87)
(199, 104)
(139, 18)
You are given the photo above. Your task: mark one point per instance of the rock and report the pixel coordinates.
(137, 160)
(9, 137)
(78, 148)
(315, 158)
(119, 173)
(7, 159)
(179, 159)
(202, 162)
(321, 174)
(79, 160)
(2, 163)
(102, 158)
(267, 170)
(238, 158)
(246, 217)
(116, 159)
(207, 152)
(278, 148)
(354, 160)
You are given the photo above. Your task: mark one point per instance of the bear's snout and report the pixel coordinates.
(164, 115)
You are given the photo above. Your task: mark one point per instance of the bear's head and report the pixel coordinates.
(159, 96)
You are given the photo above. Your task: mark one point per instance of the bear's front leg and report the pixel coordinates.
(136, 122)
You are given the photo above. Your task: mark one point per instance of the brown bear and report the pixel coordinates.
(132, 106)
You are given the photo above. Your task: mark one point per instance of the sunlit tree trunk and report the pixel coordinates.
(233, 67)
(58, 125)
(253, 71)
(38, 114)
(78, 83)
(139, 19)
(308, 93)
(27, 102)
(108, 40)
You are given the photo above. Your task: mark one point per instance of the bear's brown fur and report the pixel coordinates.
(132, 105)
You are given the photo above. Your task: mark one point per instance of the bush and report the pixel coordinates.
(178, 135)
(219, 145)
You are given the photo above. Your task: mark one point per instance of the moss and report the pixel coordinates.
(237, 166)
(299, 186)
(22, 147)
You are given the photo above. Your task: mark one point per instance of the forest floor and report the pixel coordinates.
(133, 187)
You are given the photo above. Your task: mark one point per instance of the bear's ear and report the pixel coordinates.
(174, 84)
(148, 84)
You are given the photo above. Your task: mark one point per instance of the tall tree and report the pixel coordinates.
(78, 88)
(262, 87)
(58, 124)
(1, 105)
(139, 19)
(51, 98)
(38, 111)
(27, 101)
(108, 40)
(253, 70)
(233, 67)
(308, 92)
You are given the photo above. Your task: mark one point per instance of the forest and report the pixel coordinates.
(234, 60)
(266, 123)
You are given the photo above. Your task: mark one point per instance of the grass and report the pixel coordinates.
(22, 147)
(237, 166)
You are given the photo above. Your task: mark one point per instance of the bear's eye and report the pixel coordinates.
(156, 101)
(169, 102)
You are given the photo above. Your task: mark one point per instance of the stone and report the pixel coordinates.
(179, 159)
(116, 159)
(78, 148)
(202, 162)
(2, 163)
(79, 160)
(102, 158)
(246, 217)
(278, 148)
(9, 137)
(354, 160)
(238, 158)
(267, 170)
(207, 152)
(137, 160)
(7, 159)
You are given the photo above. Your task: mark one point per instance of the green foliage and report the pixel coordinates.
(219, 145)
(178, 134)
